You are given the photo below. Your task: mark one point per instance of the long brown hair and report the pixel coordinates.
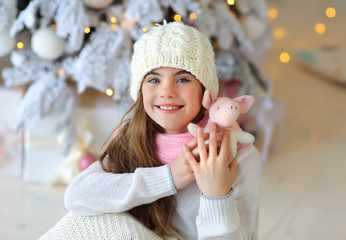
(134, 147)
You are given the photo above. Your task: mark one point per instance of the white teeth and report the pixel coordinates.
(169, 108)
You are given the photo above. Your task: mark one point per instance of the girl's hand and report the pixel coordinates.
(214, 174)
(181, 169)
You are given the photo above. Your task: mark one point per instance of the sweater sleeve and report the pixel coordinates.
(95, 191)
(234, 216)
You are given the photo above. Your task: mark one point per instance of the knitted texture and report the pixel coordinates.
(107, 226)
(174, 45)
(86, 199)
(113, 226)
(175, 142)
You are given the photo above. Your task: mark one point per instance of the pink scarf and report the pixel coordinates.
(168, 146)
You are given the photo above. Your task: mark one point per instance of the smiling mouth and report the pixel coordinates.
(169, 107)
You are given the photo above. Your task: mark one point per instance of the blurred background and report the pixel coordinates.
(63, 88)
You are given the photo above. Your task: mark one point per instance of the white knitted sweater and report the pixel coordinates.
(106, 226)
(95, 192)
(113, 226)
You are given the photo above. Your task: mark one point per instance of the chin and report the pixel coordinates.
(174, 130)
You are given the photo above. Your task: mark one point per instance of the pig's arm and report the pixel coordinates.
(241, 137)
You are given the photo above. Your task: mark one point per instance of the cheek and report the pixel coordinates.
(147, 99)
(196, 101)
(194, 98)
(146, 102)
(146, 93)
(195, 94)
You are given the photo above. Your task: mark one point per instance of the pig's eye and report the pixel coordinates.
(236, 107)
(218, 107)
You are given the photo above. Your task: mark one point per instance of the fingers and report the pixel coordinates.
(193, 143)
(226, 150)
(190, 158)
(192, 146)
(233, 168)
(201, 145)
(212, 141)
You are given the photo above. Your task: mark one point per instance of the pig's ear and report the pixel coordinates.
(245, 102)
(208, 99)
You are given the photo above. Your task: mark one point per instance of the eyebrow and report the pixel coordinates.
(175, 74)
(152, 73)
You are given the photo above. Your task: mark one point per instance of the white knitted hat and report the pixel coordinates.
(174, 45)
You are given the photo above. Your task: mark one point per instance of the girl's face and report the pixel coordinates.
(172, 98)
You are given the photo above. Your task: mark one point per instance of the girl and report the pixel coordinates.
(157, 171)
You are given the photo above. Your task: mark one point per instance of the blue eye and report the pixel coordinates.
(153, 80)
(180, 80)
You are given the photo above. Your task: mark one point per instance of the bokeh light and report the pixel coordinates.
(193, 16)
(273, 13)
(177, 17)
(87, 30)
(20, 45)
(109, 92)
(279, 33)
(230, 2)
(60, 71)
(330, 12)
(320, 28)
(113, 19)
(284, 57)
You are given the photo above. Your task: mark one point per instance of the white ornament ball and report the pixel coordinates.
(46, 44)
(6, 43)
(98, 4)
(255, 26)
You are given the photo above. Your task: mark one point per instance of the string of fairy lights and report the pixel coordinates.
(113, 21)
(280, 32)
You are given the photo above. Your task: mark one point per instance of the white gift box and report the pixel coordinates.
(42, 151)
(10, 141)
(43, 155)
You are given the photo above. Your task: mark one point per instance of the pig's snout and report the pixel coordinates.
(233, 107)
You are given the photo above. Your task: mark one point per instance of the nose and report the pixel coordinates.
(167, 90)
(234, 107)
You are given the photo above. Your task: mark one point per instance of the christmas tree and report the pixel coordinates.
(75, 45)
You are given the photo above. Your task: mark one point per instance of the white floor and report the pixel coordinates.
(303, 184)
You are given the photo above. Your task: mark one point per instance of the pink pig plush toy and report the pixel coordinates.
(224, 112)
